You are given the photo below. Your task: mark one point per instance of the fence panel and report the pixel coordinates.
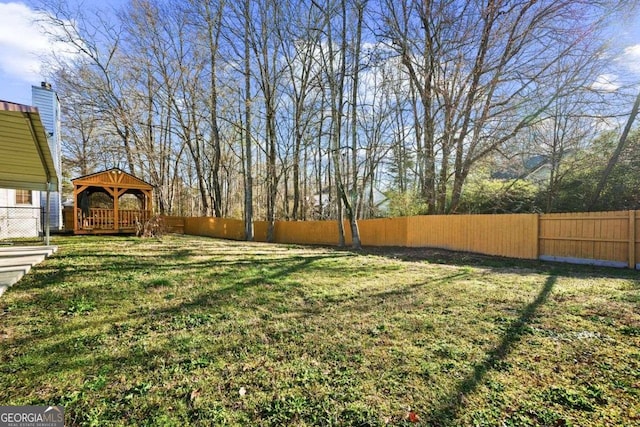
(301, 232)
(635, 256)
(21, 223)
(601, 238)
(308, 232)
(509, 235)
(174, 224)
(260, 231)
(215, 227)
(373, 232)
(384, 231)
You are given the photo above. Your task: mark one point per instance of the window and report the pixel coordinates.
(23, 197)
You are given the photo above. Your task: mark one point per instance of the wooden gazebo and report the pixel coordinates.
(114, 184)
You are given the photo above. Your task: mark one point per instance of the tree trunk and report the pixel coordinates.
(616, 154)
(248, 181)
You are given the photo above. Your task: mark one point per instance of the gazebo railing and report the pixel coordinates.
(103, 219)
(128, 218)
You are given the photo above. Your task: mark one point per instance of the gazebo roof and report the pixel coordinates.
(114, 177)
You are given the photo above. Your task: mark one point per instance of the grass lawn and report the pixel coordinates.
(197, 331)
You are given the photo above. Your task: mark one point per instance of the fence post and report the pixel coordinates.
(407, 231)
(632, 239)
(538, 219)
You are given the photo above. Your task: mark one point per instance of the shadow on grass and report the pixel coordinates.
(446, 414)
(497, 263)
(228, 283)
(219, 289)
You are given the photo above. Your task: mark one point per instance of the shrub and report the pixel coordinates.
(153, 227)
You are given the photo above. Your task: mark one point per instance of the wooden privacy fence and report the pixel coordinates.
(174, 224)
(601, 238)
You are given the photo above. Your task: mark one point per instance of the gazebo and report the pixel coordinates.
(114, 215)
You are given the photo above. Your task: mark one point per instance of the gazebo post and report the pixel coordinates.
(148, 202)
(116, 215)
(75, 209)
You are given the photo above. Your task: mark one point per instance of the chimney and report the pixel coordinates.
(45, 85)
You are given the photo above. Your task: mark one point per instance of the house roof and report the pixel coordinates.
(26, 162)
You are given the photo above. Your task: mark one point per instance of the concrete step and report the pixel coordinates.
(9, 275)
(9, 278)
(27, 250)
(8, 261)
(16, 261)
(11, 268)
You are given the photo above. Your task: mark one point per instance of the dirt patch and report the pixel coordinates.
(438, 256)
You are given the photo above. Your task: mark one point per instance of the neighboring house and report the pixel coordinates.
(21, 209)
(536, 169)
(48, 104)
(322, 205)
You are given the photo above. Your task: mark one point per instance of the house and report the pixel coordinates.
(26, 168)
(22, 208)
(535, 169)
(26, 165)
(323, 203)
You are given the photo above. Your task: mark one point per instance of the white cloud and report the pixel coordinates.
(606, 82)
(22, 42)
(631, 58)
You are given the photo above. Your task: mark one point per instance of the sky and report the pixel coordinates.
(21, 46)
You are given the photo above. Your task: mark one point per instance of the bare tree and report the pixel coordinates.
(266, 50)
(351, 203)
(81, 149)
(96, 42)
(300, 43)
(480, 71)
(231, 108)
(248, 187)
(207, 18)
(334, 64)
(613, 160)
(166, 119)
